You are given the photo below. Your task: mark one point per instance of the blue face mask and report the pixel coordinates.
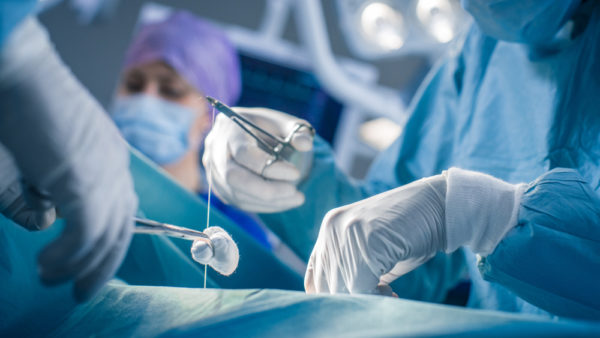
(158, 128)
(526, 21)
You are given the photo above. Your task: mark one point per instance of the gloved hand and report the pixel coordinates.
(64, 144)
(239, 170)
(364, 246)
(26, 207)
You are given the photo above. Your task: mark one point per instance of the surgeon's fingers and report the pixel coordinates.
(34, 220)
(315, 280)
(35, 198)
(290, 202)
(29, 218)
(309, 281)
(320, 278)
(99, 250)
(41, 210)
(250, 204)
(401, 268)
(338, 257)
(386, 290)
(91, 223)
(253, 202)
(279, 124)
(241, 148)
(255, 185)
(245, 150)
(86, 286)
(248, 154)
(284, 126)
(303, 139)
(16, 207)
(82, 228)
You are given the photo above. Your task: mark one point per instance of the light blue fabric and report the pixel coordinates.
(12, 12)
(507, 109)
(142, 311)
(21, 292)
(167, 261)
(156, 127)
(557, 241)
(528, 21)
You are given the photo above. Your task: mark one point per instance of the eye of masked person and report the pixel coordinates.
(167, 85)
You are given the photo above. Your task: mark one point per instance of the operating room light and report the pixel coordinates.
(379, 133)
(438, 18)
(383, 26)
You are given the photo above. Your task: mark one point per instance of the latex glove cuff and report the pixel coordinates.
(480, 210)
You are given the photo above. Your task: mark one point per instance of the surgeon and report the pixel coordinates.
(497, 172)
(160, 107)
(59, 153)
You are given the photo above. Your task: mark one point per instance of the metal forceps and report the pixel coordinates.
(146, 226)
(273, 145)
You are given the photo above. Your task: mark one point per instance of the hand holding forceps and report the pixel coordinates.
(277, 147)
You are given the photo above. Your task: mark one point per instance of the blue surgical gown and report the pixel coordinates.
(512, 110)
(12, 12)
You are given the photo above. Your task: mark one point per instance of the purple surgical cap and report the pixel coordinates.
(196, 49)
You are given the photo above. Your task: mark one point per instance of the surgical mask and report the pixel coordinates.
(526, 21)
(158, 128)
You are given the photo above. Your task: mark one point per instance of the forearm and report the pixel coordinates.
(552, 257)
(480, 210)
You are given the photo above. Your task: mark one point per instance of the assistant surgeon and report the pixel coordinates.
(516, 102)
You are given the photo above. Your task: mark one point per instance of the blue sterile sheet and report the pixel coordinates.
(157, 292)
(142, 311)
(154, 260)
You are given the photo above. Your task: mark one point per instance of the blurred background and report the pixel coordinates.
(350, 67)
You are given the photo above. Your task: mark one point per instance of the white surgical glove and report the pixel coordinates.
(238, 165)
(364, 246)
(25, 206)
(65, 145)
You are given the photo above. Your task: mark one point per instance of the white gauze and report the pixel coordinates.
(224, 255)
